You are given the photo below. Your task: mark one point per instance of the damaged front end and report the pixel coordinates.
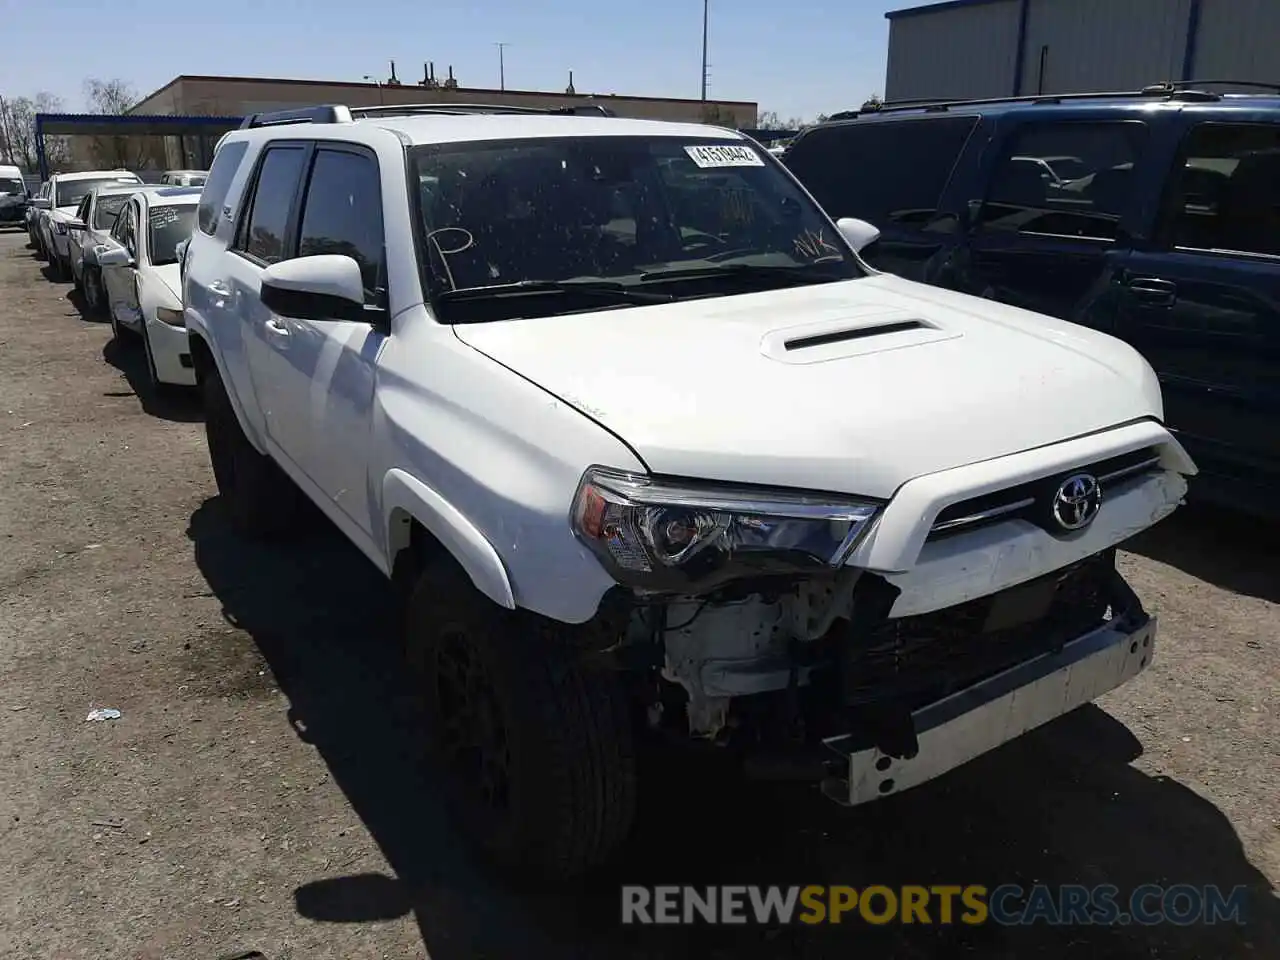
(745, 629)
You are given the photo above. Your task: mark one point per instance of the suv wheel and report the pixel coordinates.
(260, 499)
(536, 747)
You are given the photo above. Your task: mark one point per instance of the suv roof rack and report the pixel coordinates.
(1172, 89)
(328, 113)
(455, 109)
(339, 113)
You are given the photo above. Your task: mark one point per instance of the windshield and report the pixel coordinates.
(71, 192)
(10, 187)
(107, 209)
(711, 214)
(169, 226)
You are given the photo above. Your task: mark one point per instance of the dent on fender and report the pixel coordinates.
(460, 537)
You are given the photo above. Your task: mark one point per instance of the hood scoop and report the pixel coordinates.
(851, 335)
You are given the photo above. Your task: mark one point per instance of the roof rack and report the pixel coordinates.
(338, 113)
(329, 113)
(409, 109)
(1173, 90)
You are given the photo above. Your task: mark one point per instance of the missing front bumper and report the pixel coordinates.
(981, 717)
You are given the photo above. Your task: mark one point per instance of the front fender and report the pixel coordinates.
(196, 330)
(403, 494)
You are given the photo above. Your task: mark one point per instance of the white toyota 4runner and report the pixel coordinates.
(654, 454)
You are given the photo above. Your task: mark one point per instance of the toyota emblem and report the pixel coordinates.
(1077, 501)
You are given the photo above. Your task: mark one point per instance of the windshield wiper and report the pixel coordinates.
(599, 288)
(752, 271)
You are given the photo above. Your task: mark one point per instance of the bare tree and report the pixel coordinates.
(109, 96)
(767, 120)
(114, 98)
(18, 117)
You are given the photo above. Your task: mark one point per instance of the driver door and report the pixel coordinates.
(120, 283)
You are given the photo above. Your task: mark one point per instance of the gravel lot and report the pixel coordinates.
(263, 788)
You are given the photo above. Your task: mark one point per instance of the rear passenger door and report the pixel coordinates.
(890, 173)
(266, 233)
(1202, 303)
(332, 360)
(1057, 203)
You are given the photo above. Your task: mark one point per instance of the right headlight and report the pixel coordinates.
(671, 536)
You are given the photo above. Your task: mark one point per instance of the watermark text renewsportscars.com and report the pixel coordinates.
(940, 904)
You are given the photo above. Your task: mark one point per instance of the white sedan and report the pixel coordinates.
(140, 278)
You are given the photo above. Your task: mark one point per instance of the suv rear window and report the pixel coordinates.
(884, 172)
(215, 190)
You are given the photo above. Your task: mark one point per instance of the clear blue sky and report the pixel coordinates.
(798, 57)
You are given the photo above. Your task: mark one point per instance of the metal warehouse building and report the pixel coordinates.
(1000, 48)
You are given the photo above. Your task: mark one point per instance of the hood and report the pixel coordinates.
(852, 387)
(65, 213)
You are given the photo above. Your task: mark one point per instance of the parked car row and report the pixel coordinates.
(647, 449)
(117, 240)
(1154, 217)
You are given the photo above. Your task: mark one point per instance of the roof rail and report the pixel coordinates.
(1254, 84)
(1172, 90)
(459, 109)
(329, 113)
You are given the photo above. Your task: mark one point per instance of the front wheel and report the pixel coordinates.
(260, 499)
(92, 284)
(536, 745)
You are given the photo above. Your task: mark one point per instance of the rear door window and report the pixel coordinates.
(1068, 179)
(1225, 196)
(264, 227)
(885, 172)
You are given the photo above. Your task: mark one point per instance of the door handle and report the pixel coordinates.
(276, 327)
(1153, 291)
(219, 288)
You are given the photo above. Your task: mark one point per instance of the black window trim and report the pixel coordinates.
(250, 199)
(1001, 151)
(1165, 231)
(379, 299)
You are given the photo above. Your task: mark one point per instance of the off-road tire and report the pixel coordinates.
(261, 501)
(572, 796)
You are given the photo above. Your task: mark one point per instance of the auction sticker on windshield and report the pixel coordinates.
(708, 156)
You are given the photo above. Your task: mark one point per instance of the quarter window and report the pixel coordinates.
(215, 190)
(343, 212)
(264, 228)
(1064, 179)
(1226, 193)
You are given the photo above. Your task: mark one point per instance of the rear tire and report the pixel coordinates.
(261, 501)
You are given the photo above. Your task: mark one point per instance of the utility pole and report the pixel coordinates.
(705, 14)
(502, 70)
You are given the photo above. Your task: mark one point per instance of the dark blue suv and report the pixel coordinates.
(1154, 216)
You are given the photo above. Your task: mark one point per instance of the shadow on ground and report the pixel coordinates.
(1231, 550)
(178, 404)
(1062, 805)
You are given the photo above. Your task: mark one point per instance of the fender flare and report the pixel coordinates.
(402, 492)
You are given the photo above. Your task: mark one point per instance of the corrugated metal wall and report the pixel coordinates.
(1099, 45)
(1239, 40)
(959, 52)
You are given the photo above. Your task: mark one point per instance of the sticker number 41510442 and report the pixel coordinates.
(727, 155)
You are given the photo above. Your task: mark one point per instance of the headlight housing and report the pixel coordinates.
(680, 537)
(173, 318)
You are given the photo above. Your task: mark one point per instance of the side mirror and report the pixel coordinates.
(76, 224)
(858, 233)
(41, 203)
(327, 286)
(113, 257)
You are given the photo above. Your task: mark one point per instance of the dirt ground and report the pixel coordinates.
(263, 788)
